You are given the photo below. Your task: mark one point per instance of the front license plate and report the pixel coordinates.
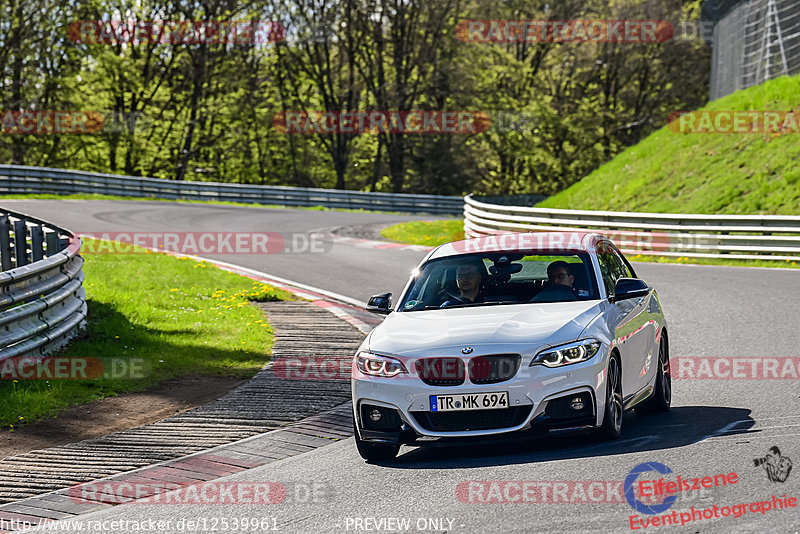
(469, 401)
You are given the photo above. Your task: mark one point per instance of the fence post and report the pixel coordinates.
(5, 243)
(21, 243)
(52, 243)
(37, 243)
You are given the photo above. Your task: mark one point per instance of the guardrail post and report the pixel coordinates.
(52, 243)
(5, 243)
(37, 243)
(21, 243)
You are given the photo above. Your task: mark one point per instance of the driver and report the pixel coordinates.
(469, 280)
(558, 273)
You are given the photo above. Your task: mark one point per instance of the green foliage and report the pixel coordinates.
(204, 111)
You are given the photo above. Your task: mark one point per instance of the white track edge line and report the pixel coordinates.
(336, 296)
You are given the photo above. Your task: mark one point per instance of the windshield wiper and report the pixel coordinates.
(476, 304)
(469, 305)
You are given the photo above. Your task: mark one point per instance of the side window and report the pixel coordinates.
(607, 270)
(628, 267)
(612, 267)
(624, 271)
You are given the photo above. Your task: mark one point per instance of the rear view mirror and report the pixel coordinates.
(629, 288)
(380, 303)
(502, 269)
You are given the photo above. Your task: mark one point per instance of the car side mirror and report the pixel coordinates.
(629, 288)
(380, 303)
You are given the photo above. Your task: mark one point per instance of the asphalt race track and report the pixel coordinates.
(716, 426)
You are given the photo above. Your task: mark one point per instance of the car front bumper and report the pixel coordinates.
(539, 398)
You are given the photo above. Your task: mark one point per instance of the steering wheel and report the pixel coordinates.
(452, 296)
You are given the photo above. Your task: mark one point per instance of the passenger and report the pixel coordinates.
(560, 284)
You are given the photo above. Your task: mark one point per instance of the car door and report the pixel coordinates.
(629, 319)
(649, 319)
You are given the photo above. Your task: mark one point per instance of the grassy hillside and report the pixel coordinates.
(729, 173)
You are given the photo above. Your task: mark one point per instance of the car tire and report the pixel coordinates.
(612, 417)
(661, 399)
(374, 452)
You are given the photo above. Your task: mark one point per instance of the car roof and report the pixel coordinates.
(514, 242)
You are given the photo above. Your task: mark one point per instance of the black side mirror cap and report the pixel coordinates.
(380, 304)
(629, 288)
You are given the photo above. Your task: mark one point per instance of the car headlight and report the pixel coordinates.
(377, 365)
(576, 352)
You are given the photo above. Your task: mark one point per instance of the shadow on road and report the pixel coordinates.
(677, 428)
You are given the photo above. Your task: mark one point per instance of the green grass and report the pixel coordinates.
(176, 316)
(98, 196)
(671, 172)
(784, 264)
(430, 233)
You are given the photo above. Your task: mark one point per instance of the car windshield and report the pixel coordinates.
(501, 278)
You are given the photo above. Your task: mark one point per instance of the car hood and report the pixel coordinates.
(407, 333)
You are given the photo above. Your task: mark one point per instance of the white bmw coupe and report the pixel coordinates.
(511, 333)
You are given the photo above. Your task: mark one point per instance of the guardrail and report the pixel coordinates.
(42, 300)
(747, 237)
(21, 179)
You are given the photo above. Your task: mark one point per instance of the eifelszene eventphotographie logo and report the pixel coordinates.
(630, 486)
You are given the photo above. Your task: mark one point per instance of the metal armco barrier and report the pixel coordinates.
(42, 300)
(747, 237)
(21, 179)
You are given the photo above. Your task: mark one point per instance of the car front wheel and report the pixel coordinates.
(612, 420)
(374, 452)
(661, 399)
